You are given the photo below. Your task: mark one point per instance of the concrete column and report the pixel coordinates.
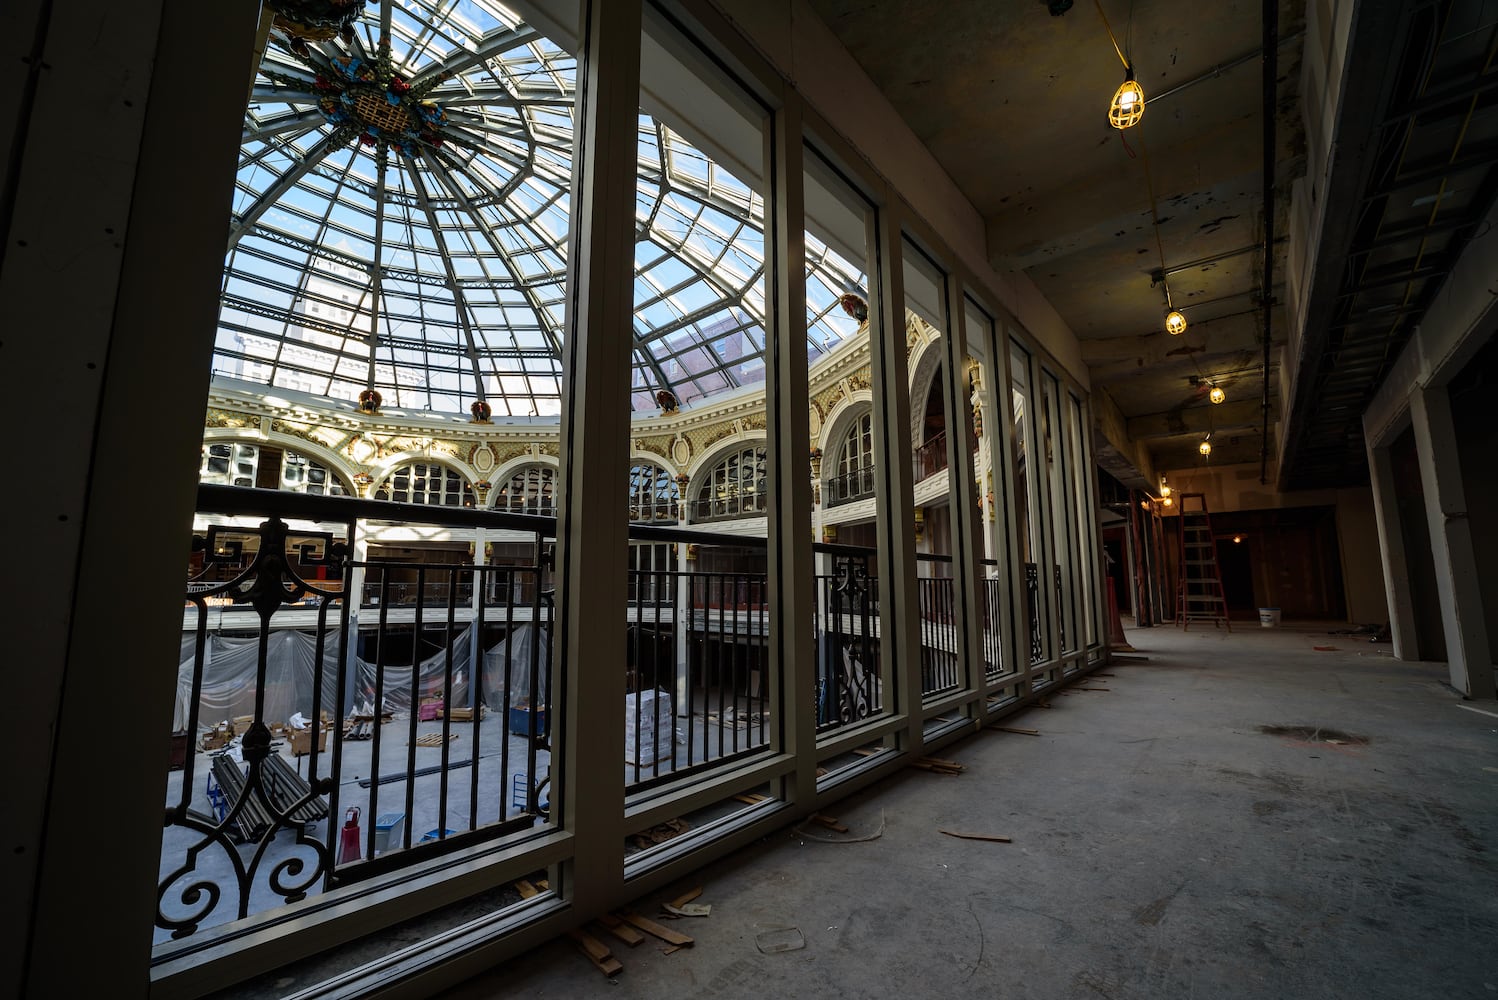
(1401, 606)
(111, 251)
(1467, 643)
(592, 531)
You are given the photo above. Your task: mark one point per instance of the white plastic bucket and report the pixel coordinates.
(1269, 617)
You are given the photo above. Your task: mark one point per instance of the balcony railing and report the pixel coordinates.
(849, 685)
(376, 739)
(939, 668)
(426, 709)
(848, 487)
(931, 457)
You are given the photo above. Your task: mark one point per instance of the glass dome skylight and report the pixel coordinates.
(445, 157)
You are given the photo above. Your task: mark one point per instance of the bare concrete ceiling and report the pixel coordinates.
(1012, 101)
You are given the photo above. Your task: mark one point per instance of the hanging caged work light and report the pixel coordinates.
(1205, 447)
(1175, 322)
(1217, 395)
(1128, 102)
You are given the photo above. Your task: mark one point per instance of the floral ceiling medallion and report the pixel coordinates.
(365, 99)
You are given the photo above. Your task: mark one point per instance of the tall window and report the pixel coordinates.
(532, 490)
(653, 494)
(426, 483)
(854, 477)
(734, 488)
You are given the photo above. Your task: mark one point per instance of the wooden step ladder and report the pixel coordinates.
(1199, 597)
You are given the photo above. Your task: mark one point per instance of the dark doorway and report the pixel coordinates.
(1235, 564)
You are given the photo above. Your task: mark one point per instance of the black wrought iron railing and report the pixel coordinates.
(939, 668)
(849, 685)
(1032, 604)
(993, 617)
(850, 486)
(698, 677)
(316, 744)
(322, 741)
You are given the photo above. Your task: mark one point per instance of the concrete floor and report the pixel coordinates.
(1163, 846)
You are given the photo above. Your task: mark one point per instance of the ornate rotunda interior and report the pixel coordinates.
(516, 454)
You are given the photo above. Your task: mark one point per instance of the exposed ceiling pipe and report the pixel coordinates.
(1271, 100)
(1217, 70)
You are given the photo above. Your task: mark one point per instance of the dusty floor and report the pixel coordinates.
(1164, 845)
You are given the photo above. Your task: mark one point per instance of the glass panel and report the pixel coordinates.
(926, 332)
(696, 630)
(1090, 562)
(1029, 518)
(844, 417)
(992, 479)
(398, 223)
(1060, 462)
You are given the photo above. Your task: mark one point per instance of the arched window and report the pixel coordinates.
(426, 483)
(229, 463)
(854, 475)
(653, 494)
(531, 490)
(236, 463)
(300, 474)
(734, 488)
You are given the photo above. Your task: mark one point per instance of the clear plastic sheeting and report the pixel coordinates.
(292, 676)
(512, 658)
(229, 677)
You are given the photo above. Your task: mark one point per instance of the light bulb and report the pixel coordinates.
(1168, 502)
(1217, 395)
(1205, 447)
(1128, 103)
(1164, 490)
(1175, 323)
(1237, 539)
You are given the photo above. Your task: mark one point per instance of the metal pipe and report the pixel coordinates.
(1218, 70)
(1271, 93)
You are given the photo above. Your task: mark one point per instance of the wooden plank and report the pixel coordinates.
(1018, 730)
(526, 890)
(621, 930)
(686, 897)
(995, 838)
(750, 798)
(654, 929)
(597, 952)
(829, 822)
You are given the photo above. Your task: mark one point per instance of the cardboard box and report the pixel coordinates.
(301, 741)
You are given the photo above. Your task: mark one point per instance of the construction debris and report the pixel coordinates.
(799, 832)
(654, 929)
(624, 932)
(660, 833)
(938, 766)
(995, 838)
(433, 739)
(1015, 729)
(598, 953)
(830, 822)
(778, 939)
